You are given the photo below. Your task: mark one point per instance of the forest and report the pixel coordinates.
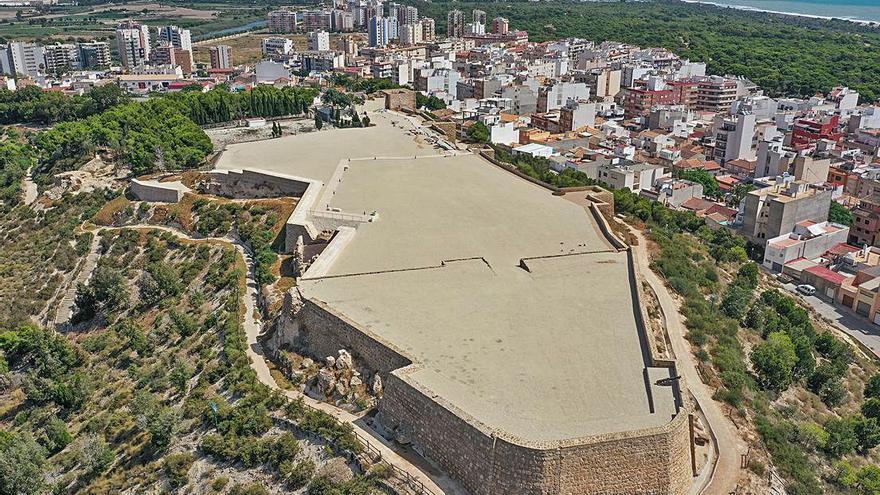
(784, 55)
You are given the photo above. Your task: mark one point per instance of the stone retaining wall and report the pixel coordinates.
(487, 462)
(652, 461)
(319, 332)
(153, 191)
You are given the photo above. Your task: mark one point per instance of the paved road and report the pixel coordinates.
(843, 318)
(729, 444)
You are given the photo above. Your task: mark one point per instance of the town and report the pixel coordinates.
(566, 167)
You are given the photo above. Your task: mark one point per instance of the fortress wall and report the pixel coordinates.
(156, 191)
(655, 461)
(256, 183)
(320, 333)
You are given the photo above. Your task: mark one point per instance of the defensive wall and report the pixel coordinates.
(155, 191)
(490, 462)
(486, 461)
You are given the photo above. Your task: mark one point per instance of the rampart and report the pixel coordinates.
(650, 461)
(163, 192)
(489, 462)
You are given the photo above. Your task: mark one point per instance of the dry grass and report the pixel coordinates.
(245, 49)
(108, 213)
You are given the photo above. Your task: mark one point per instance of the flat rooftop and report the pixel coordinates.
(315, 154)
(546, 351)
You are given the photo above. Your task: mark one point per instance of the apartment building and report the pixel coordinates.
(455, 24)
(283, 21)
(717, 94)
(221, 57)
(733, 137)
(94, 55)
(631, 175)
(61, 56)
(276, 47)
(808, 239)
(555, 96)
(318, 41)
(809, 131)
(177, 37)
(772, 211)
(133, 43)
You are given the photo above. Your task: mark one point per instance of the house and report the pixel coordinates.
(808, 239)
(632, 175)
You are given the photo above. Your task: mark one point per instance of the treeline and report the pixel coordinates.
(148, 136)
(359, 84)
(784, 55)
(32, 105)
(219, 105)
(539, 168)
(15, 158)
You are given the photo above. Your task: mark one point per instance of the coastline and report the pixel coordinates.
(748, 8)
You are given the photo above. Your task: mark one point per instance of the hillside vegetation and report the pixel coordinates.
(811, 399)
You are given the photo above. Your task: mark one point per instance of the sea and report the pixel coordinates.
(866, 11)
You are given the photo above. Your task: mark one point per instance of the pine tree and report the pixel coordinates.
(318, 122)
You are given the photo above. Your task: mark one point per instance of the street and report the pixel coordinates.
(843, 318)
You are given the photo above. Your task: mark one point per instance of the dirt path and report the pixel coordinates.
(253, 328)
(726, 472)
(64, 310)
(30, 188)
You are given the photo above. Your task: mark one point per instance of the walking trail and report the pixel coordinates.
(30, 188)
(435, 483)
(726, 472)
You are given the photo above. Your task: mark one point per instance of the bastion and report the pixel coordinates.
(505, 324)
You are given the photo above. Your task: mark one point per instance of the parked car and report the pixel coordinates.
(806, 289)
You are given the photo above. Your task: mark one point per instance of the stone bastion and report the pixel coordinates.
(513, 350)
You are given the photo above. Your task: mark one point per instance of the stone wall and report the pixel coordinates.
(316, 331)
(162, 192)
(255, 183)
(654, 461)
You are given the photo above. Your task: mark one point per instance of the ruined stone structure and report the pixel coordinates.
(399, 99)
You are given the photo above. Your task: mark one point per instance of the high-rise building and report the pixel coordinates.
(94, 55)
(428, 29)
(500, 25)
(343, 21)
(61, 56)
(318, 40)
(411, 34)
(283, 21)
(350, 45)
(184, 59)
(314, 20)
(382, 30)
(176, 36)
(475, 28)
(221, 57)
(26, 58)
(163, 54)
(133, 43)
(734, 136)
(455, 24)
(479, 17)
(406, 14)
